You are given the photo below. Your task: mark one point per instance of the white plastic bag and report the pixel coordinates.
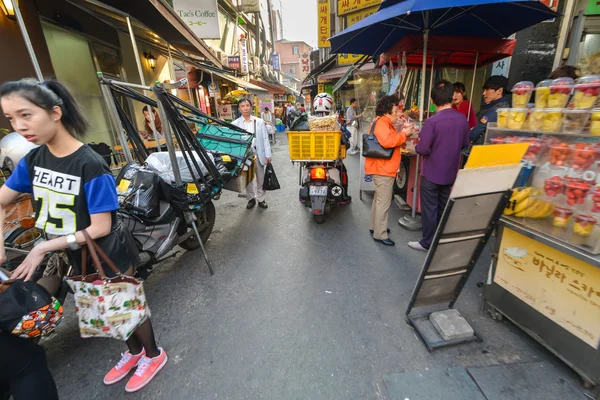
(161, 163)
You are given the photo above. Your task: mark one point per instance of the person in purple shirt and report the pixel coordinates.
(440, 143)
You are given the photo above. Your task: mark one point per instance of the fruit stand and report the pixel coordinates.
(545, 274)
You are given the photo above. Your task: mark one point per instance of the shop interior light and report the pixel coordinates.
(8, 8)
(151, 60)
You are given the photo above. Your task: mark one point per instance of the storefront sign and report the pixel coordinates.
(225, 111)
(561, 287)
(266, 103)
(276, 62)
(320, 88)
(233, 62)
(250, 6)
(348, 6)
(243, 56)
(324, 23)
(593, 7)
(202, 16)
(305, 63)
(351, 19)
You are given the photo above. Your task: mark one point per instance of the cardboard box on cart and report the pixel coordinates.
(239, 183)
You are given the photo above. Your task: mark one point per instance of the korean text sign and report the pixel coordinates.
(560, 287)
(324, 23)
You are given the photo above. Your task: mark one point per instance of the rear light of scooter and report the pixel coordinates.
(317, 174)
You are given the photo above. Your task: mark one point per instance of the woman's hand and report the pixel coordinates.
(29, 265)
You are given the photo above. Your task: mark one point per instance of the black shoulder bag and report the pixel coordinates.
(371, 146)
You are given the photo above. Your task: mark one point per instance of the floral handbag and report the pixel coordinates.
(107, 307)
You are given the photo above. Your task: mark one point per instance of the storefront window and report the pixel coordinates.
(78, 72)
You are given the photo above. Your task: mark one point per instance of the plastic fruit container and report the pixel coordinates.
(503, 117)
(576, 193)
(596, 200)
(536, 146)
(554, 186)
(595, 124)
(584, 224)
(562, 216)
(559, 153)
(574, 120)
(553, 119)
(583, 156)
(560, 91)
(542, 92)
(516, 118)
(535, 120)
(587, 89)
(521, 94)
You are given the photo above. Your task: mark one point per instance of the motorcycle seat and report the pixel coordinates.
(165, 217)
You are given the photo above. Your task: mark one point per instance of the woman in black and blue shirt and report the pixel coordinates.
(73, 189)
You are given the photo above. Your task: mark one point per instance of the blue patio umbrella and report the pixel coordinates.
(396, 18)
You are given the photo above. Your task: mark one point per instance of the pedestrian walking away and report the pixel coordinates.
(262, 149)
(353, 125)
(441, 141)
(73, 190)
(384, 171)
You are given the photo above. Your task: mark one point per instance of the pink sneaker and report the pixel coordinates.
(126, 364)
(146, 370)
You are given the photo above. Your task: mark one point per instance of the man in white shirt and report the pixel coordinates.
(262, 149)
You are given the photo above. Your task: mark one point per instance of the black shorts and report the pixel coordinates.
(118, 245)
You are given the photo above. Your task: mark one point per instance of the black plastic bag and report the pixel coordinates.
(271, 182)
(300, 124)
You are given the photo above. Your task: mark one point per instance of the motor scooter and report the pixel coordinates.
(322, 187)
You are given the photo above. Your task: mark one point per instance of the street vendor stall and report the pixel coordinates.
(545, 275)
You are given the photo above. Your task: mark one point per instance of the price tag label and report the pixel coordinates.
(226, 158)
(192, 188)
(124, 185)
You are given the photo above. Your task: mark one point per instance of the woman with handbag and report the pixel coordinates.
(73, 191)
(383, 163)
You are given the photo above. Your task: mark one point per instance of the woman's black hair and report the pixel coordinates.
(385, 105)
(461, 88)
(47, 95)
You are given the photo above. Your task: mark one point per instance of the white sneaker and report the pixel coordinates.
(416, 246)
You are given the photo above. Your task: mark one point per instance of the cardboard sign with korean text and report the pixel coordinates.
(560, 287)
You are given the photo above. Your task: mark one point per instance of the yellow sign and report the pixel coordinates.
(320, 88)
(496, 155)
(123, 185)
(561, 287)
(324, 23)
(351, 19)
(192, 188)
(348, 6)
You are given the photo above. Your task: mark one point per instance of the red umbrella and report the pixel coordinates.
(450, 51)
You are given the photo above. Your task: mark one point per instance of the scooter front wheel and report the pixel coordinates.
(319, 219)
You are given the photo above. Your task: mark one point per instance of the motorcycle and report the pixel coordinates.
(322, 187)
(160, 216)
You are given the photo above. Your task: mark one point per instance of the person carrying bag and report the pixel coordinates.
(381, 149)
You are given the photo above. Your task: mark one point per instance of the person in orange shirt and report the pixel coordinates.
(384, 171)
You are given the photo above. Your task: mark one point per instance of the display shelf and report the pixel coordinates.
(525, 132)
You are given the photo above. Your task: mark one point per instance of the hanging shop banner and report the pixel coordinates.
(593, 7)
(305, 63)
(243, 56)
(553, 283)
(250, 6)
(276, 62)
(320, 88)
(234, 62)
(324, 23)
(348, 6)
(202, 16)
(225, 111)
(351, 19)
(266, 103)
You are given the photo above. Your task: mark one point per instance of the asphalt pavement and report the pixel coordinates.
(295, 310)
